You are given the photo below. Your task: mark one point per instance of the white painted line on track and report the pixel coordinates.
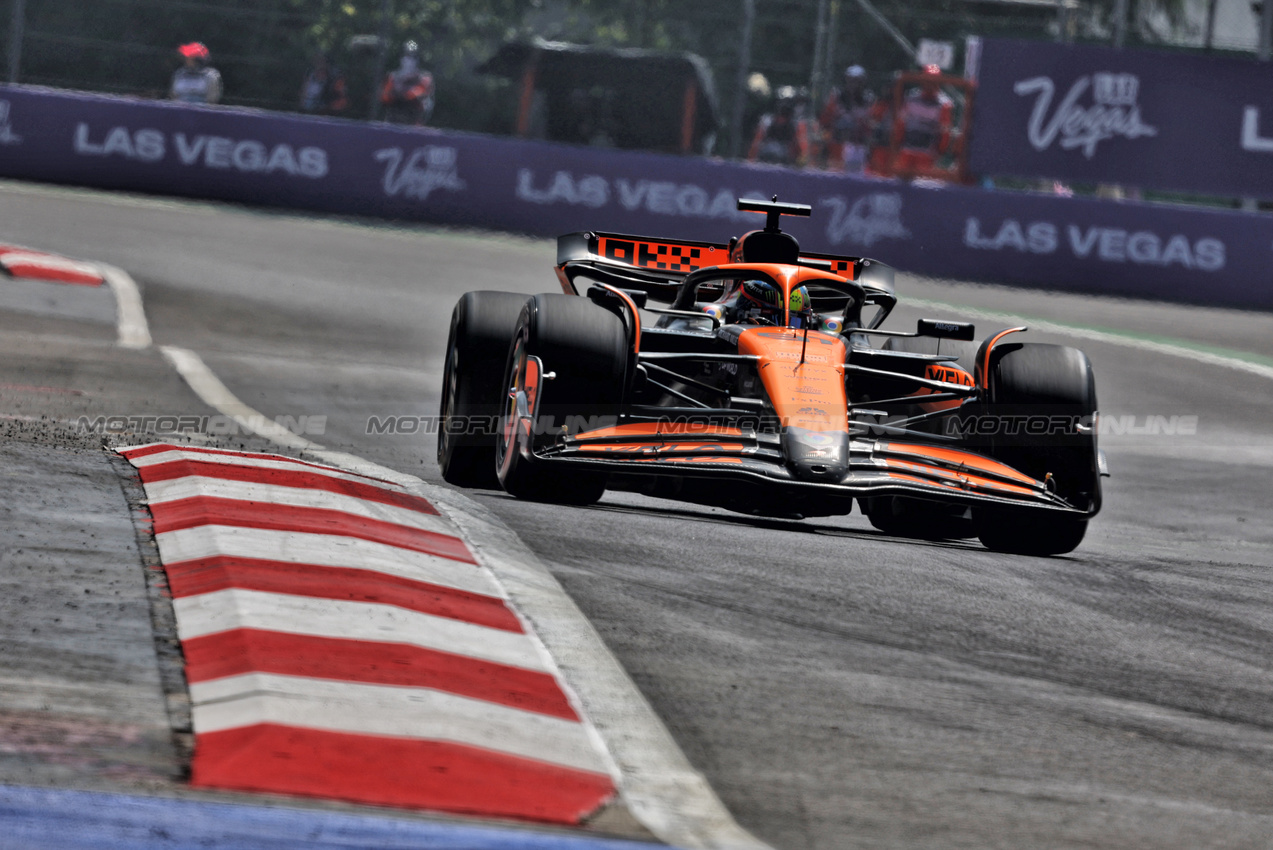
(236, 608)
(657, 782)
(660, 786)
(392, 710)
(215, 394)
(1173, 348)
(130, 316)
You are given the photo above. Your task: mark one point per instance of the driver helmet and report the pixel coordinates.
(799, 301)
(760, 300)
(800, 307)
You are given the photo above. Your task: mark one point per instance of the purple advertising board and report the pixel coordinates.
(346, 167)
(1143, 118)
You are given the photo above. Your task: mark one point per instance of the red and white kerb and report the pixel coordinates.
(341, 641)
(19, 262)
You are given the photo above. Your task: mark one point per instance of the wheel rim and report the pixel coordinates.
(449, 387)
(508, 419)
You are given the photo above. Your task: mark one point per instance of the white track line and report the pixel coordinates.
(1106, 337)
(130, 317)
(658, 784)
(215, 394)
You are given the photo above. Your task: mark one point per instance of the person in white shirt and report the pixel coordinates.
(407, 95)
(196, 81)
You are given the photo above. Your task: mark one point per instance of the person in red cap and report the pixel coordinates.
(922, 133)
(195, 81)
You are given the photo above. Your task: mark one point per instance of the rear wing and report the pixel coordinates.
(657, 266)
(653, 266)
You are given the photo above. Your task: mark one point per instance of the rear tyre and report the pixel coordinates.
(473, 393)
(586, 346)
(1054, 384)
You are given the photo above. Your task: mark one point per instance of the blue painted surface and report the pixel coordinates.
(52, 819)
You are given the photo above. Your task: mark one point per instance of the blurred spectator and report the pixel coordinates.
(408, 92)
(880, 123)
(922, 131)
(846, 122)
(195, 81)
(323, 92)
(592, 112)
(782, 136)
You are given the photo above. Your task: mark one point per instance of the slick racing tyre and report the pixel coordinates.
(900, 516)
(473, 389)
(1035, 383)
(585, 348)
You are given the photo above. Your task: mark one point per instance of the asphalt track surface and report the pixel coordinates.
(840, 688)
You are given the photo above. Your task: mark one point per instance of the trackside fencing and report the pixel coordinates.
(1196, 255)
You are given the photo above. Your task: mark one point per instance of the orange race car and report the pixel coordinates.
(760, 388)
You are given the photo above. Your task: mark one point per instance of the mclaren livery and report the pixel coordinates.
(752, 376)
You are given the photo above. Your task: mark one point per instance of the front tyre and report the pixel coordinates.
(1053, 385)
(585, 348)
(473, 389)
(1012, 531)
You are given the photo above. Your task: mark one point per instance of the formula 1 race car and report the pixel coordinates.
(758, 389)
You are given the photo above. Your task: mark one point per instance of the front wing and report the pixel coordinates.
(877, 467)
